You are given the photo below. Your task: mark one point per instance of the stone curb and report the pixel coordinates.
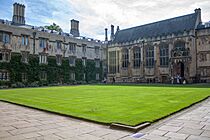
(129, 128)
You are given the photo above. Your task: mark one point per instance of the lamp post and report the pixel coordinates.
(34, 39)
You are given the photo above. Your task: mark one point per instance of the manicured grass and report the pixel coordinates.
(129, 105)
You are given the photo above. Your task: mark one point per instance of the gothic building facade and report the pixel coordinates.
(160, 52)
(30, 54)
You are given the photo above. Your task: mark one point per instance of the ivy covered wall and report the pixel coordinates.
(55, 73)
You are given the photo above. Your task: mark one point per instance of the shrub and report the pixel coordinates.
(34, 84)
(18, 85)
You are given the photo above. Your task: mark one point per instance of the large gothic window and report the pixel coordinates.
(180, 50)
(180, 45)
(136, 57)
(150, 57)
(164, 55)
(125, 58)
(112, 62)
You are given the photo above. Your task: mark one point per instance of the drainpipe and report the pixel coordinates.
(34, 39)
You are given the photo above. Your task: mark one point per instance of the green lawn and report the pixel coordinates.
(129, 105)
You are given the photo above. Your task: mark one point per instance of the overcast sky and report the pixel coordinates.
(95, 15)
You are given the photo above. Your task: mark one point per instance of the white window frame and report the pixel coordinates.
(59, 45)
(73, 61)
(25, 57)
(59, 60)
(97, 76)
(84, 62)
(24, 40)
(72, 76)
(24, 77)
(42, 58)
(72, 48)
(84, 76)
(42, 43)
(6, 56)
(5, 37)
(43, 75)
(4, 75)
(97, 50)
(84, 48)
(97, 63)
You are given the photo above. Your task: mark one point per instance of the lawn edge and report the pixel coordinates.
(56, 113)
(182, 109)
(143, 125)
(119, 126)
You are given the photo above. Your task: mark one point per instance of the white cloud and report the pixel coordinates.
(95, 15)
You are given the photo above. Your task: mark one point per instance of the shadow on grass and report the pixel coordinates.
(203, 85)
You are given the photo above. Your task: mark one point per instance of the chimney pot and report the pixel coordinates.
(106, 38)
(112, 32)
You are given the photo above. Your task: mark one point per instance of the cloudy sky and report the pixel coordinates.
(95, 15)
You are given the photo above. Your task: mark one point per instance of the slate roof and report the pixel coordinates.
(168, 26)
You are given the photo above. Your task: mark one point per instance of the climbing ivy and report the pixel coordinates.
(55, 73)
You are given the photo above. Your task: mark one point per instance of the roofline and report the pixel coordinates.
(156, 22)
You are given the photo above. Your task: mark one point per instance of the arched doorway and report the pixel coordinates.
(178, 69)
(180, 60)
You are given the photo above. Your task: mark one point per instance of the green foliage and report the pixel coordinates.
(54, 27)
(129, 105)
(55, 73)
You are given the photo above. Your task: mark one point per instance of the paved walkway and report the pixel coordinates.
(17, 123)
(191, 124)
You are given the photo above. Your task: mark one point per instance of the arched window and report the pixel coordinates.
(112, 62)
(136, 57)
(180, 45)
(125, 58)
(150, 57)
(164, 55)
(179, 49)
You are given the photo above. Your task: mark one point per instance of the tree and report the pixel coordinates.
(54, 27)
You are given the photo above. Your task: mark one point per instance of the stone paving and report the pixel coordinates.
(20, 123)
(191, 124)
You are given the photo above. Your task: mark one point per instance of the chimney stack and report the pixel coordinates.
(18, 14)
(112, 32)
(75, 28)
(118, 28)
(198, 11)
(106, 38)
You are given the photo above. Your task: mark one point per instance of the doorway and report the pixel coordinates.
(178, 69)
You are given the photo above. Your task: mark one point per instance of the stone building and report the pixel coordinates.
(161, 52)
(31, 54)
